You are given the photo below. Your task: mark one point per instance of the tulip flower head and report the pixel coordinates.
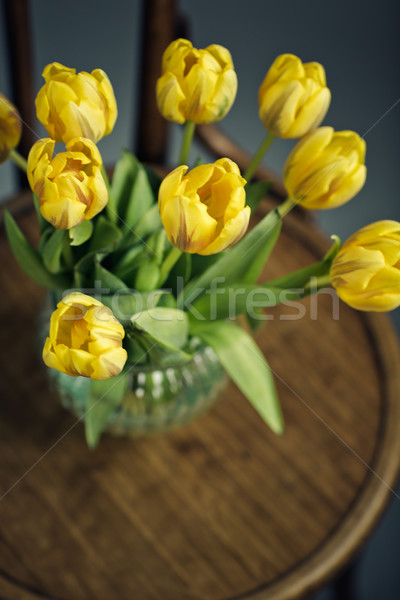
(196, 85)
(293, 98)
(326, 168)
(203, 210)
(85, 339)
(10, 128)
(70, 186)
(366, 271)
(71, 105)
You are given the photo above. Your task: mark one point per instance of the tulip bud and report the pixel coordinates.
(71, 105)
(10, 128)
(85, 339)
(293, 98)
(366, 271)
(70, 186)
(204, 210)
(196, 85)
(326, 168)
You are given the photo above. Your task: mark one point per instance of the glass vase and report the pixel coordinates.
(157, 399)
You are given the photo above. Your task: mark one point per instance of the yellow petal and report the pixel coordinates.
(107, 92)
(172, 186)
(187, 223)
(57, 70)
(86, 147)
(51, 360)
(177, 48)
(99, 194)
(37, 168)
(201, 177)
(170, 98)
(77, 298)
(316, 72)
(286, 66)
(228, 197)
(62, 212)
(311, 114)
(221, 55)
(109, 364)
(293, 98)
(280, 105)
(81, 362)
(345, 190)
(231, 233)
(10, 127)
(71, 105)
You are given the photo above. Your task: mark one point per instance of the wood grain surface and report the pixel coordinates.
(221, 509)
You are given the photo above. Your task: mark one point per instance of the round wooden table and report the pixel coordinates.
(223, 508)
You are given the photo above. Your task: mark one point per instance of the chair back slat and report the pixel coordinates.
(159, 26)
(19, 46)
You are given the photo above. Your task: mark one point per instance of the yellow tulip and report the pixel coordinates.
(204, 210)
(10, 128)
(196, 85)
(293, 98)
(85, 339)
(326, 168)
(70, 186)
(366, 271)
(72, 105)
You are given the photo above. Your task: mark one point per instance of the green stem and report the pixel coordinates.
(19, 160)
(251, 169)
(186, 142)
(317, 283)
(168, 263)
(286, 207)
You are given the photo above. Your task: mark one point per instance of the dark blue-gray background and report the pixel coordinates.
(358, 44)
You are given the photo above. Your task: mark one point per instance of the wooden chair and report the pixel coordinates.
(221, 508)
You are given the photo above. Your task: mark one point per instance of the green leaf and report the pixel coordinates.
(105, 396)
(149, 223)
(129, 302)
(106, 236)
(154, 180)
(202, 263)
(52, 251)
(29, 259)
(180, 273)
(107, 279)
(123, 177)
(242, 263)
(167, 326)
(81, 233)
(131, 191)
(227, 303)
(147, 276)
(130, 261)
(243, 360)
(255, 192)
(183, 267)
(298, 279)
(111, 210)
(141, 198)
(44, 237)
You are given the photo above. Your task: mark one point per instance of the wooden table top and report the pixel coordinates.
(221, 509)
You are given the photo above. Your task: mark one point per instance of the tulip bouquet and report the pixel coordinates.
(145, 270)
